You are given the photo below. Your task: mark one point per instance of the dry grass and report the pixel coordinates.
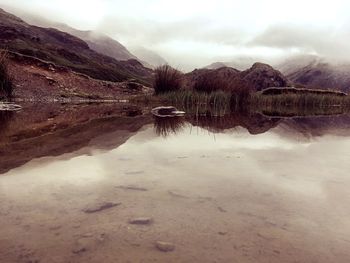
(6, 86)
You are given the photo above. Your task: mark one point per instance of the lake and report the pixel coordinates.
(105, 182)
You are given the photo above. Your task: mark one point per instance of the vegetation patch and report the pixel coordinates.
(6, 85)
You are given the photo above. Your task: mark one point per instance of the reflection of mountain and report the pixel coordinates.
(319, 126)
(256, 123)
(55, 130)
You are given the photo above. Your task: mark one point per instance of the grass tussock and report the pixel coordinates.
(6, 86)
(167, 79)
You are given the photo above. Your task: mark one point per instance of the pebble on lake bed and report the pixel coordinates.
(100, 207)
(165, 246)
(141, 221)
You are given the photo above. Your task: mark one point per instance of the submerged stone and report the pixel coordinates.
(165, 246)
(141, 221)
(100, 207)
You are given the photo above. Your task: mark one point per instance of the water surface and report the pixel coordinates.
(243, 188)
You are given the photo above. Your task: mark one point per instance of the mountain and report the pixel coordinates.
(99, 42)
(295, 63)
(65, 50)
(315, 72)
(217, 65)
(240, 63)
(257, 77)
(149, 57)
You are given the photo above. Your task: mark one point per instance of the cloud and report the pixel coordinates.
(153, 32)
(193, 33)
(327, 41)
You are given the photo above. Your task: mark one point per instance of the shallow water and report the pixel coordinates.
(244, 188)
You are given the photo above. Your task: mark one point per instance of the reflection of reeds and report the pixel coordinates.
(167, 126)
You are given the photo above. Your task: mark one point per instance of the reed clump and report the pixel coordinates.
(167, 79)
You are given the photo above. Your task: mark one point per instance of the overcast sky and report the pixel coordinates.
(193, 33)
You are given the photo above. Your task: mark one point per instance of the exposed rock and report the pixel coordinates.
(100, 207)
(261, 76)
(51, 80)
(134, 86)
(141, 221)
(165, 246)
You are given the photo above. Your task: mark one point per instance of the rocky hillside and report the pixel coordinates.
(66, 50)
(34, 79)
(258, 77)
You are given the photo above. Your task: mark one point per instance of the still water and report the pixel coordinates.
(240, 188)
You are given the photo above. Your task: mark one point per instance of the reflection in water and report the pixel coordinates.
(267, 197)
(254, 123)
(167, 126)
(5, 118)
(55, 129)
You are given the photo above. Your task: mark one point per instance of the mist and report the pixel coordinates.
(192, 34)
